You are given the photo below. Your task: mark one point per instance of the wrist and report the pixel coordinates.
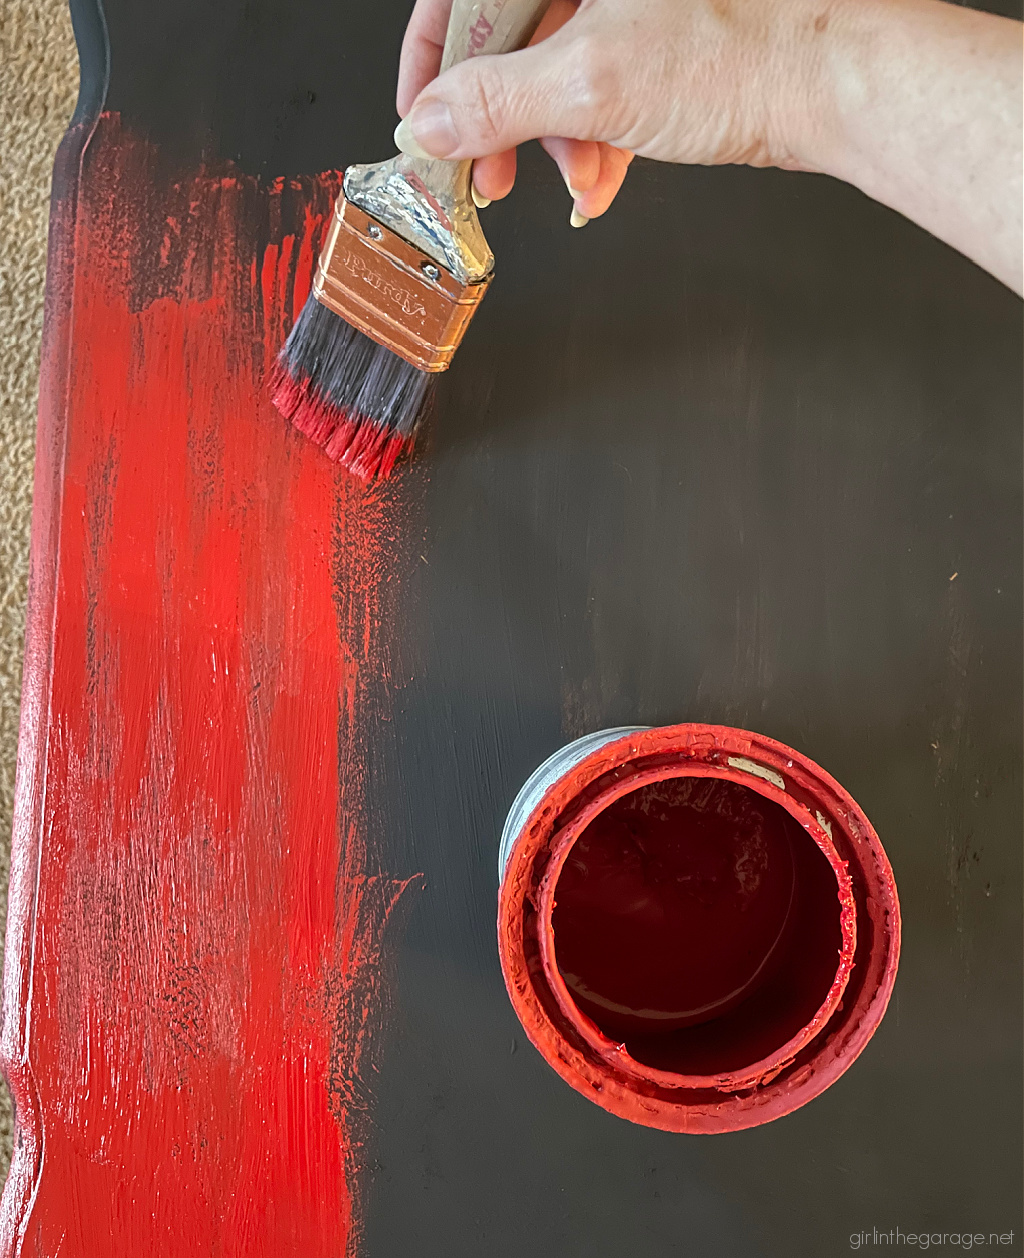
(806, 120)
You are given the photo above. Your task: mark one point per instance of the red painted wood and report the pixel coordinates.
(197, 924)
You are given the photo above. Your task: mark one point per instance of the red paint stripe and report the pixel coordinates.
(205, 954)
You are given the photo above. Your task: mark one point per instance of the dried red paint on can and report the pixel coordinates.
(698, 927)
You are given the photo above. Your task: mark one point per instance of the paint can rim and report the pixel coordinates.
(584, 1056)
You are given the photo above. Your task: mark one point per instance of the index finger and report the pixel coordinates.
(421, 50)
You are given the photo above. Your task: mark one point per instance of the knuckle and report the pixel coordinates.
(488, 104)
(596, 76)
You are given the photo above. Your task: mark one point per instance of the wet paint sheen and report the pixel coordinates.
(672, 903)
(197, 933)
(677, 905)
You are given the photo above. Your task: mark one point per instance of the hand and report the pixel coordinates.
(679, 80)
(915, 102)
(593, 171)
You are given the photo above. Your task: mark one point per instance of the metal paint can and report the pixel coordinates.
(715, 866)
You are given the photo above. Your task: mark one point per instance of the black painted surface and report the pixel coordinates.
(717, 457)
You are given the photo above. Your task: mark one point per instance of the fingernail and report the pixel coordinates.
(427, 130)
(480, 202)
(573, 192)
(576, 219)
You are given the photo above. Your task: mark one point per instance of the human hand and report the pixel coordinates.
(705, 81)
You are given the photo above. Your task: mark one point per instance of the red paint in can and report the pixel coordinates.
(698, 926)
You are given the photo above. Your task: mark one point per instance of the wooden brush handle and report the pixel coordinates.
(477, 28)
(427, 201)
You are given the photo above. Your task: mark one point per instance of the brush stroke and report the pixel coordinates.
(197, 957)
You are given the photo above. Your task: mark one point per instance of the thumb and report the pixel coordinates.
(489, 104)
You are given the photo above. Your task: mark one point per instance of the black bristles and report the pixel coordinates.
(356, 399)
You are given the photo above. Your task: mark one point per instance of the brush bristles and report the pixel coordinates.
(360, 402)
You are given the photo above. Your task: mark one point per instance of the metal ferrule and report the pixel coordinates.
(392, 291)
(443, 224)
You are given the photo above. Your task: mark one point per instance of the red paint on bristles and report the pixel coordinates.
(309, 415)
(367, 449)
(355, 398)
(317, 421)
(337, 444)
(390, 453)
(284, 392)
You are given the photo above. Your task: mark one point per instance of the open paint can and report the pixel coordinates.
(698, 927)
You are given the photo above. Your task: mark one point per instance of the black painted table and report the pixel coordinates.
(747, 450)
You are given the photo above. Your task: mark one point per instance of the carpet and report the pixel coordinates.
(38, 88)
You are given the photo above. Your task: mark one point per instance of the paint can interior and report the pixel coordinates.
(698, 927)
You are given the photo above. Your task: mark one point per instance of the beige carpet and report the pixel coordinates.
(38, 88)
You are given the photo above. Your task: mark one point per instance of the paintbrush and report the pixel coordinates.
(401, 274)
